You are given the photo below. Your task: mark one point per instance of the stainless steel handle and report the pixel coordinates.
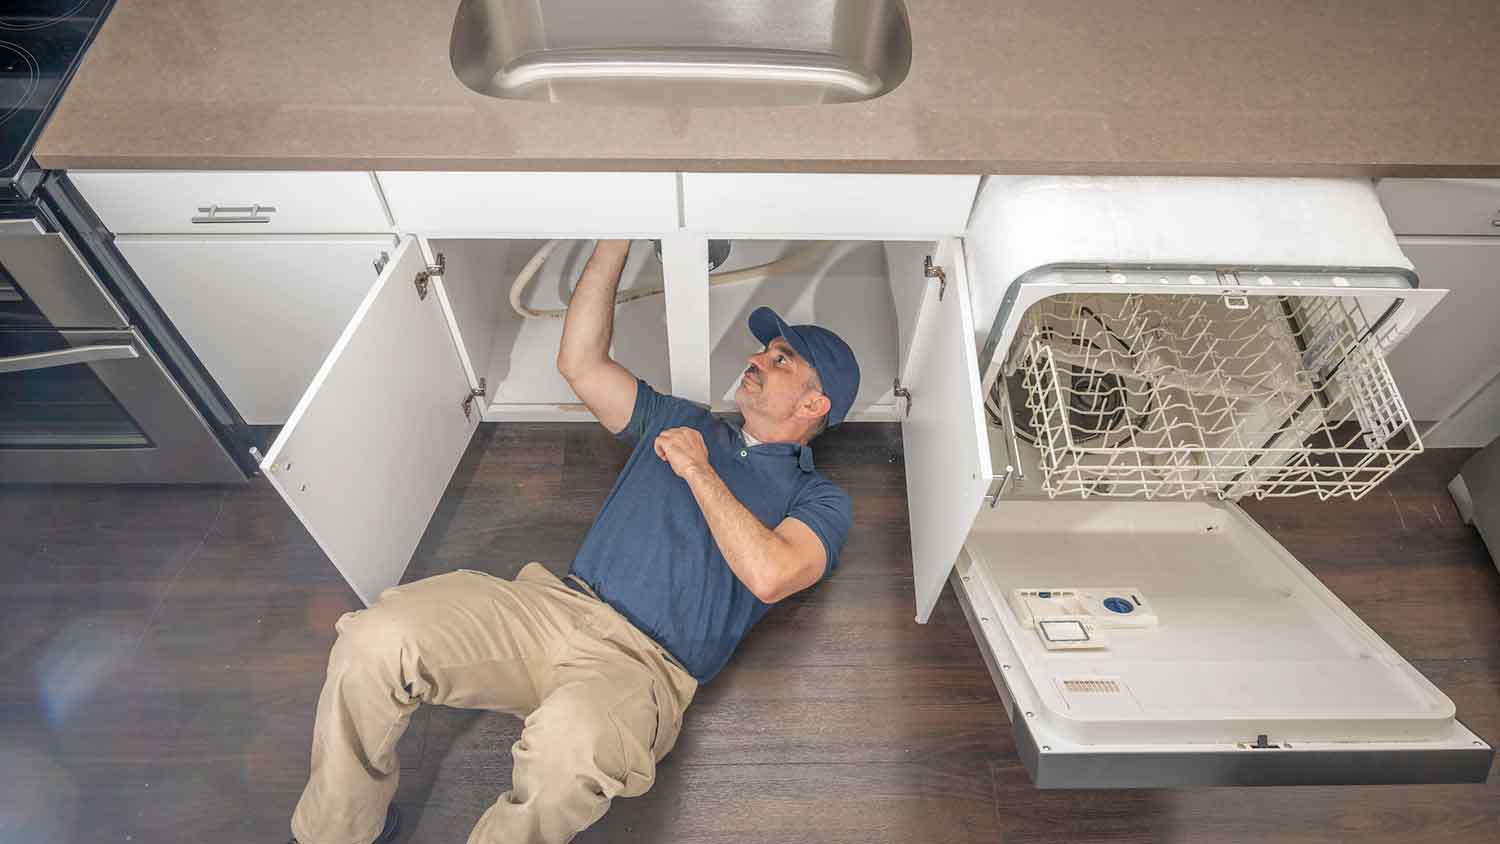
(66, 357)
(1008, 424)
(252, 213)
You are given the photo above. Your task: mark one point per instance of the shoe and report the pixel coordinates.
(388, 834)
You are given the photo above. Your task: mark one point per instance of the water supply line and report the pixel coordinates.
(813, 254)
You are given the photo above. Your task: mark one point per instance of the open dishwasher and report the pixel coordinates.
(1106, 367)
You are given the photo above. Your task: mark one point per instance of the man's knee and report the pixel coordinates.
(392, 626)
(376, 637)
(573, 741)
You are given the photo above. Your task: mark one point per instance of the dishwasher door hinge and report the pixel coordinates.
(424, 278)
(901, 392)
(931, 270)
(474, 393)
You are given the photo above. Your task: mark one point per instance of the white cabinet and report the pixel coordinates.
(260, 312)
(827, 205)
(1442, 206)
(1458, 351)
(1451, 232)
(237, 202)
(540, 204)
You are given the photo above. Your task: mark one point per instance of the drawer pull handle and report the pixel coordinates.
(253, 213)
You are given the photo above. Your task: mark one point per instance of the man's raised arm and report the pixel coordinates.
(583, 358)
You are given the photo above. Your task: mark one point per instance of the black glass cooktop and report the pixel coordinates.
(41, 44)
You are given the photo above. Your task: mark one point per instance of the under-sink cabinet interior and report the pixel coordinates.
(456, 331)
(510, 296)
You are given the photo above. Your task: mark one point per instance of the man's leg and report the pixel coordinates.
(616, 711)
(461, 639)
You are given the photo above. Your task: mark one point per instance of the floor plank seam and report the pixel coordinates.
(161, 602)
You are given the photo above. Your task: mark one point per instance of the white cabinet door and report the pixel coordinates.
(534, 204)
(946, 442)
(260, 312)
(233, 202)
(853, 206)
(1458, 349)
(373, 442)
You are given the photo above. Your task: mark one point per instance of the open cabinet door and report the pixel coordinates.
(371, 445)
(944, 437)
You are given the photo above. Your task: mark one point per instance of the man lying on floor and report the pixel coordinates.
(708, 524)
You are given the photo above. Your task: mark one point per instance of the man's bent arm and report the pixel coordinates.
(606, 387)
(773, 564)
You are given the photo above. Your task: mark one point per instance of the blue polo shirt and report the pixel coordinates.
(650, 554)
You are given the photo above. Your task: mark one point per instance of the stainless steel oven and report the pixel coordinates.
(94, 387)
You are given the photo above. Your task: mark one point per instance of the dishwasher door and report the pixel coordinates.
(1249, 672)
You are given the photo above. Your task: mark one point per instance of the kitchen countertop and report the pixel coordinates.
(1221, 87)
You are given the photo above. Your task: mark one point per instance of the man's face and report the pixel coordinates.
(774, 382)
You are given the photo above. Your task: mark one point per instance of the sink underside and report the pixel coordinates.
(682, 52)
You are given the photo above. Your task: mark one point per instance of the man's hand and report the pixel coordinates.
(683, 448)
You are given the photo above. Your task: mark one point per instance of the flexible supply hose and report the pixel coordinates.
(809, 255)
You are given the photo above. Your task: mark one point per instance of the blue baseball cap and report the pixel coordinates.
(827, 352)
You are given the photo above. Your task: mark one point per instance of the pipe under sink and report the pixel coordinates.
(682, 52)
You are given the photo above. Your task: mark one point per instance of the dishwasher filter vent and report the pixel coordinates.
(1179, 395)
(1090, 686)
(1097, 697)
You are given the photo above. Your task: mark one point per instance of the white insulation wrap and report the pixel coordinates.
(1024, 222)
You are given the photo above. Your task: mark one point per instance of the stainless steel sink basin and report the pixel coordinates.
(682, 52)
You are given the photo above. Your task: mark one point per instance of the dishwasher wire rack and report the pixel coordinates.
(1181, 395)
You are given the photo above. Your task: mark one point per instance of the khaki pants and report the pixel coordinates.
(602, 702)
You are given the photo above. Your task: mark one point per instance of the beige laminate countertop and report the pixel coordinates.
(1266, 87)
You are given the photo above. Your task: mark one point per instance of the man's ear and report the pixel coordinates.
(814, 406)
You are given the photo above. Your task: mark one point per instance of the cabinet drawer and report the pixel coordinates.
(832, 205)
(160, 202)
(1442, 206)
(550, 204)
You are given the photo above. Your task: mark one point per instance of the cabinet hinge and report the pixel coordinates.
(474, 393)
(424, 278)
(901, 392)
(931, 270)
(385, 258)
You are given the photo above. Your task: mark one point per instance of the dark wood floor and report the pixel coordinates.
(161, 650)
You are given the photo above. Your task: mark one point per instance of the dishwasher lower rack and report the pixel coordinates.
(1182, 395)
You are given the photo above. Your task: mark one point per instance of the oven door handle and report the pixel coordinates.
(66, 357)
